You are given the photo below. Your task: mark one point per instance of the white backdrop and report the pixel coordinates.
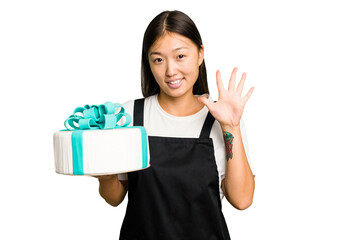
(302, 120)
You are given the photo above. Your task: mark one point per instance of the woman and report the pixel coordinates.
(179, 196)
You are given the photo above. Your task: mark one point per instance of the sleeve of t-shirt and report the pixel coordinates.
(129, 108)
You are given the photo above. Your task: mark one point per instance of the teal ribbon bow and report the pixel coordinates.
(97, 117)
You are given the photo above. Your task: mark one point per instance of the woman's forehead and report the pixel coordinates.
(173, 42)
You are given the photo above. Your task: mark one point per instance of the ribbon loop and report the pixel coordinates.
(97, 117)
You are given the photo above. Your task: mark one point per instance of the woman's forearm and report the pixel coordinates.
(239, 183)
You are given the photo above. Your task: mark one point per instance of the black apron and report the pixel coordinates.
(177, 197)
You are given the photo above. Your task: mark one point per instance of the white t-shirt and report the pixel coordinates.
(157, 122)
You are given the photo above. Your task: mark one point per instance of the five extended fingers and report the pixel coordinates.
(232, 83)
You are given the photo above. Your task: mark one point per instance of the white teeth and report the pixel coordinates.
(175, 82)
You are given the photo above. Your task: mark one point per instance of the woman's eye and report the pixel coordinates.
(157, 60)
(181, 56)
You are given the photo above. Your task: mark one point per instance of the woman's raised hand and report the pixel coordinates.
(230, 105)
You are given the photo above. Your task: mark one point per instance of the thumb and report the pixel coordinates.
(209, 104)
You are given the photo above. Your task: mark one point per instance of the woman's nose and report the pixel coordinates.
(170, 69)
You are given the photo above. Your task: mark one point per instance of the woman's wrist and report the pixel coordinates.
(232, 129)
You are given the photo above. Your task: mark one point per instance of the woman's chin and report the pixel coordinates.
(174, 93)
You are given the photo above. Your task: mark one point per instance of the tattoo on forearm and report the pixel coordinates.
(228, 137)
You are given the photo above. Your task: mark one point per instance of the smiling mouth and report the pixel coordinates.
(175, 84)
(176, 81)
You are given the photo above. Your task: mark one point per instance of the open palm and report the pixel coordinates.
(230, 105)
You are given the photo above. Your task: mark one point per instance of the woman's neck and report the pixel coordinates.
(185, 105)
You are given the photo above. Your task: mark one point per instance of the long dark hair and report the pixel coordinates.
(176, 22)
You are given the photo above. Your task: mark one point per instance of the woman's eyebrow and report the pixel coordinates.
(179, 48)
(155, 53)
(176, 49)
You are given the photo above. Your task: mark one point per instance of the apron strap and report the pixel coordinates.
(209, 121)
(139, 112)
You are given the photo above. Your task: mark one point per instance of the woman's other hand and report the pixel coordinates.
(230, 105)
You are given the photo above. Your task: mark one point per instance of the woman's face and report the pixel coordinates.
(174, 61)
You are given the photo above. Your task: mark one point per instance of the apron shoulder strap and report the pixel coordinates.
(209, 121)
(139, 112)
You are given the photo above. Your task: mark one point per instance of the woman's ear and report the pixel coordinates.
(201, 55)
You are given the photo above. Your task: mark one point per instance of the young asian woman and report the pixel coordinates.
(197, 146)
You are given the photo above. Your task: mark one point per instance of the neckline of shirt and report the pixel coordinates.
(200, 113)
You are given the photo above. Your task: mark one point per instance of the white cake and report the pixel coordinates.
(101, 152)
